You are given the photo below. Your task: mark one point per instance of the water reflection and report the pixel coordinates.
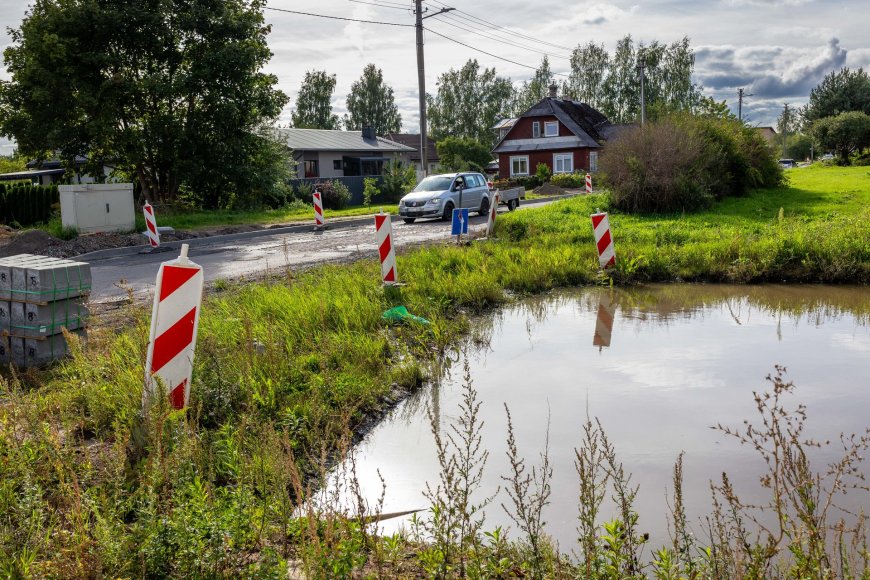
(665, 363)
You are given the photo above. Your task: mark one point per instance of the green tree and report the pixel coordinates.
(461, 154)
(590, 64)
(536, 88)
(468, 103)
(845, 133)
(622, 89)
(12, 163)
(314, 102)
(710, 107)
(172, 90)
(371, 103)
(799, 146)
(839, 92)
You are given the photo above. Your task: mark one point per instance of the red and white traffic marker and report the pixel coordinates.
(174, 320)
(603, 240)
(588, 183)
(384, 237)
(604, 322)
(493, 209)
(318, 210)
(151, 225)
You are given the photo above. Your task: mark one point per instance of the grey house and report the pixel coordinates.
(328, 154)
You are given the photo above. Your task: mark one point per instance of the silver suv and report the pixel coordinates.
(437, 196)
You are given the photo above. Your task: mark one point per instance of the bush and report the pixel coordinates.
(575, 179)
(398, 179)
(542, 173)
(26, 204)
(303, 191)
(370, 190)
(684, 162)
(335, 194)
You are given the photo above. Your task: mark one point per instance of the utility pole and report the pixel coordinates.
(642, 99)
(785, 132)
(421, 80)
(740, 96)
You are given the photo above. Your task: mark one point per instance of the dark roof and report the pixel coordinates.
(586, 123)
(53, 163)
(330, 140)
(412, 140)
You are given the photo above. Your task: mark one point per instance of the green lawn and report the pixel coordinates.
(284, 368)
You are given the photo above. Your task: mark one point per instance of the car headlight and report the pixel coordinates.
(433, 201)
(401, 202)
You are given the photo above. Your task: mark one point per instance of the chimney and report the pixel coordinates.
(554, 88)
(368, 133)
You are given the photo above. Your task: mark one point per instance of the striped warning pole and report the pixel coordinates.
(493, 209)
(588, 183)
(604, 322)
(174, 320)
(603, 240)
(384, 237)
(318, 210)
(151, 225)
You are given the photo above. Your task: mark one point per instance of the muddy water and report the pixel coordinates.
(658, 366)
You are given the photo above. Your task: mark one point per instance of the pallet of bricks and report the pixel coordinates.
(39, 298)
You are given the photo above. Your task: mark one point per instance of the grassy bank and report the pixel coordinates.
(288, 369)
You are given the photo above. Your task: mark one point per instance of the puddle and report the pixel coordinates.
(658, 365)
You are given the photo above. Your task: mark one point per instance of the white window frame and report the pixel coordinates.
(519, 158)
(536, 129)
(563, 157)
(551, 125)
(593, 161)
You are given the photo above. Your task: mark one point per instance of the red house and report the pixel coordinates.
(565, 135)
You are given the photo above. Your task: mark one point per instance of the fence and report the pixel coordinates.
(26, 204)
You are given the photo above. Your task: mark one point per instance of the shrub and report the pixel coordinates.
(543, 173)
(335, 194)
(398, 179)
(370, 190)
(303, 191)
(575, 179)
(26, 204)
(683, 162)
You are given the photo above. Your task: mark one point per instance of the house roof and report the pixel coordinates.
(54, 163)
(412, 140)
(504, 124)
(587, 124)
(329, 140)
(19, 175)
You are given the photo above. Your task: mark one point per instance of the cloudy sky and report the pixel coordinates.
(777, 49)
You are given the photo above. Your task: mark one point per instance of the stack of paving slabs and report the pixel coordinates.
(39, 298)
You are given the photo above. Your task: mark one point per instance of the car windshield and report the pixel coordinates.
(435, 183)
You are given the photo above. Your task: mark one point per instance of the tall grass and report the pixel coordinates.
(289, 369)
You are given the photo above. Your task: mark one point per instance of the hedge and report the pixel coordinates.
(26, 205)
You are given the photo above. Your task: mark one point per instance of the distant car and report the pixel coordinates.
(438, 195)
(827, 157)
(788, 163)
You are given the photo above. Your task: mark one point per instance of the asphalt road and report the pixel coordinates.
(115, 277)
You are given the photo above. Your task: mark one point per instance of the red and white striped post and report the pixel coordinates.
(318, 210)
(174, 321)
(151, 225)
(588, 183)
(386, 253)
(493, 209)
(603, 240)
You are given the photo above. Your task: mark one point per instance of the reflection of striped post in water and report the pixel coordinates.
(604, 322)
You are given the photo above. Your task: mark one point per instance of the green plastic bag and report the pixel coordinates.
(400, 315)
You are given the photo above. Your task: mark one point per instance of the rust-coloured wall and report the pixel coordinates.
(581, 160)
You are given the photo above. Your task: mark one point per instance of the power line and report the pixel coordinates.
(454, 22)
(338, 17)
(381, 5)
(493, 24)
(491, 54)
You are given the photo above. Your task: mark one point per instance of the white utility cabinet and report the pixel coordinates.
(98, 207)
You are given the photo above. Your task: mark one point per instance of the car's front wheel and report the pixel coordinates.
(447, 215)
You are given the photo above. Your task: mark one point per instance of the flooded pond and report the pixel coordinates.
(658, 365)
